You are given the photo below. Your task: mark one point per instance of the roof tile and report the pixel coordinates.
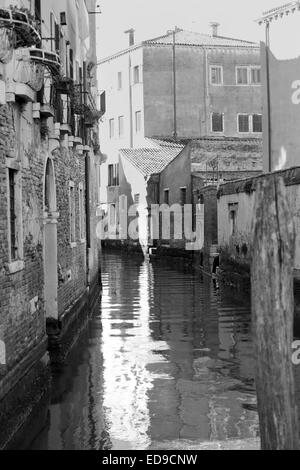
(151, 161)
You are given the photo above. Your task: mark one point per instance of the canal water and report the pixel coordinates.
(166, 362)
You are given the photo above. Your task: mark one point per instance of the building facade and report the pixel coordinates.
(214, 162)
(140, 184)
(281, 85)
(48, 184)
(182, 85)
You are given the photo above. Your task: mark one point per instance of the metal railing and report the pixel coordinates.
(25, 28)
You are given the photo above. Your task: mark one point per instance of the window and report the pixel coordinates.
(257, 122)
(111, 128)
(72, 209)
(217, 122)
(81, 212)
(255, 75)
(136, 74)
(113, 175)
(182, 196)
(121, 126)
(216, 75)
(37, 9)
(166, 196)
(249, 123)
(14, 219)
(12, 174)
(57, 37)
(242, 76)
(136, 199)
(98, 184)
(243, 123)
(71, 64)
(233, 208)
(119, 80)
(138, 121)
(103, 102)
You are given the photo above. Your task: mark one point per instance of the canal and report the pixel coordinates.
(166, 362)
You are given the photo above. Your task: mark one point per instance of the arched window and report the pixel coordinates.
(50, 192)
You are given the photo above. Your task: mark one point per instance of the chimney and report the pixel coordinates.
(130, 32)
(214, 27)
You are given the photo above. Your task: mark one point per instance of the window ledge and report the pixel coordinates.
(73, 245)
(15, 266)
(82, 241)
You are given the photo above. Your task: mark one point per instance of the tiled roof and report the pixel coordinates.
(190, 38)
(150, 161)
(165, 143)
(187, 38)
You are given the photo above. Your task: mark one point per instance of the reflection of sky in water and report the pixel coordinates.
(171, 367)
(127, 351)
(166, 363)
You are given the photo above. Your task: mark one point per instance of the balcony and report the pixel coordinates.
(47, 59)
(84, 105)
(24, 78)
(22, 25)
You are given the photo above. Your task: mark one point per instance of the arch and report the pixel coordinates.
(50, 241)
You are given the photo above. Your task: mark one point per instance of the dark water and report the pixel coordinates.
(166, 361)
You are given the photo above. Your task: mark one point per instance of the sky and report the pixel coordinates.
(151, 18)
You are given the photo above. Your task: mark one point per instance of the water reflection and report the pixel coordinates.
(167, 360)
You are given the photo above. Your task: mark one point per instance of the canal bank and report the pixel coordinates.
(25, 407)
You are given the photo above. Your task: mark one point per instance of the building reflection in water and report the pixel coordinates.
(167, 360)
(128, 351)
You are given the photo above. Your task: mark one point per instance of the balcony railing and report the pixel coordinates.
(48, 59)
(84, 104)
(22, 25)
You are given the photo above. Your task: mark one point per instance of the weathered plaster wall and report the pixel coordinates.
(242, 193)
(196, 97)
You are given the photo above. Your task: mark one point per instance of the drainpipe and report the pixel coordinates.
(174, 85)
(269, 133)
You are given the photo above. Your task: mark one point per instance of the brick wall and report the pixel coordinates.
(22, 324)
(22, 312)
(69, 166)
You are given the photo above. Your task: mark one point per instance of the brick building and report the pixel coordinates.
(48, 187)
